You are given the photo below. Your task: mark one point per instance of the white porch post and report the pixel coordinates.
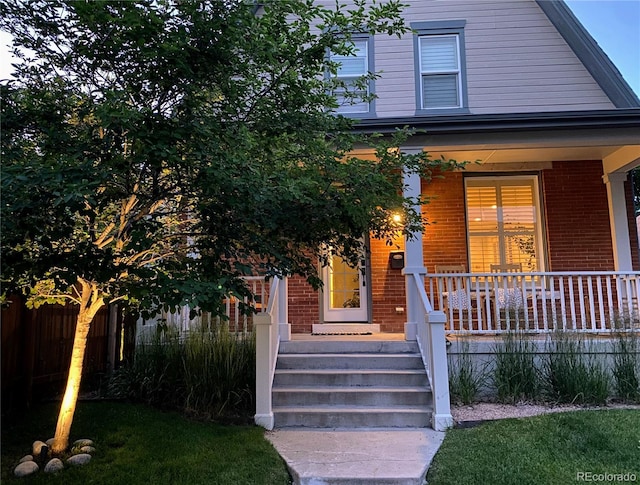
(441, 418)
(619, 220)
(414, 260)
(284, 327)
(264, 411)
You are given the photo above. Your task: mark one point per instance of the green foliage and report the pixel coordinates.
(626, 366)
(154, 152)
(635, 180)
(219, 371)
(465, 379)
(163, 149)
(572, 374)
(211, 372)
(549, 449)
(515, 375)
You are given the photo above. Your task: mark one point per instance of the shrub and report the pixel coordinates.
(465, 379)
(515, 375)
(626, 366)
(211, 372)
(219, 371)
(572, 373)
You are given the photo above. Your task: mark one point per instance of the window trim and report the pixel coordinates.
(433, 28)
(541, 246)
(370, 69)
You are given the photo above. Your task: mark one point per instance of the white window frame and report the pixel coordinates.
(495, 181)
(347, 109)
(425, 72)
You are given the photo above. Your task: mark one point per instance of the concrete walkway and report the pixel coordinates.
(357, 456)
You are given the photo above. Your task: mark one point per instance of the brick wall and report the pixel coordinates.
(577, 217)
(387, 287)
(304, 305)
(386, 292)
(445, 238)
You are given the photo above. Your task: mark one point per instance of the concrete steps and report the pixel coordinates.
(350, 377)
(350, 384)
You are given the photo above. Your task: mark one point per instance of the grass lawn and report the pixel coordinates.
(137, 444)
(549, 449)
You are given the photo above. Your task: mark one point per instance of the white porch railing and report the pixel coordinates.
(432, 343)
(536, 302)
(268, 325)
(238, 321)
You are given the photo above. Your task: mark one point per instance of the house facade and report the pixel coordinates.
(536, 233)
(551, 130)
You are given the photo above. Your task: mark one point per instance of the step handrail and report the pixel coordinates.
(266, 326)
(431, 339)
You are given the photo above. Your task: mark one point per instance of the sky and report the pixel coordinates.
(615, 25)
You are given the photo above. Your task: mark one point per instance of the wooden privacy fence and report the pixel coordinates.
(37, 344)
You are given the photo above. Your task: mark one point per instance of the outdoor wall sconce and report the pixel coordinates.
(396, 219)
(396, 259)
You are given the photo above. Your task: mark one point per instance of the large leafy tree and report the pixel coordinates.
(155, 151)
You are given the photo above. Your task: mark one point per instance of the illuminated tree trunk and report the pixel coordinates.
(91, 301)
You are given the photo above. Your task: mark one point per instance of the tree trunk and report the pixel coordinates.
(91, 301)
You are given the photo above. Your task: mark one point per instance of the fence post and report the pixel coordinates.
(441, 418)
(264, 411)
(112, 334)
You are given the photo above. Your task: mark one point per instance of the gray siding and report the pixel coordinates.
(516, 61)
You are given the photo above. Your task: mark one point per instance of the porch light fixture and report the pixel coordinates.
(396, 221)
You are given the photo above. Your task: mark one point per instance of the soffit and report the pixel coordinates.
(529, 154)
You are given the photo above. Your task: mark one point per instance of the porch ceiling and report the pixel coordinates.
(523, 141)
(616, 158)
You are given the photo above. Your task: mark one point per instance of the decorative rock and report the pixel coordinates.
(26, 458)
(85, 442)
(54, 466)
(78, 460)
(87, 449)
(26, 468)
(36, 448)
(49, 442)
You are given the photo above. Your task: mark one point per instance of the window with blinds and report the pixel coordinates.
(351, 68)
(503, 223)
(440, 71)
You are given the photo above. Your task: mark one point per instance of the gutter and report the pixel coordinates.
(507, 122)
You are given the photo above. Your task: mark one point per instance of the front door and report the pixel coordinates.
(344, 292)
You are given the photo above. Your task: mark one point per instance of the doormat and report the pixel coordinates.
(343, 333)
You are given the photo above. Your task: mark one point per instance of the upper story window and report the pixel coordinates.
(440, 67)
(440, 71)
(353, 94)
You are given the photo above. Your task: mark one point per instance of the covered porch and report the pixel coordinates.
(541, 229)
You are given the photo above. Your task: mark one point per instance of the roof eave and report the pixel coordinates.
(505, 122)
